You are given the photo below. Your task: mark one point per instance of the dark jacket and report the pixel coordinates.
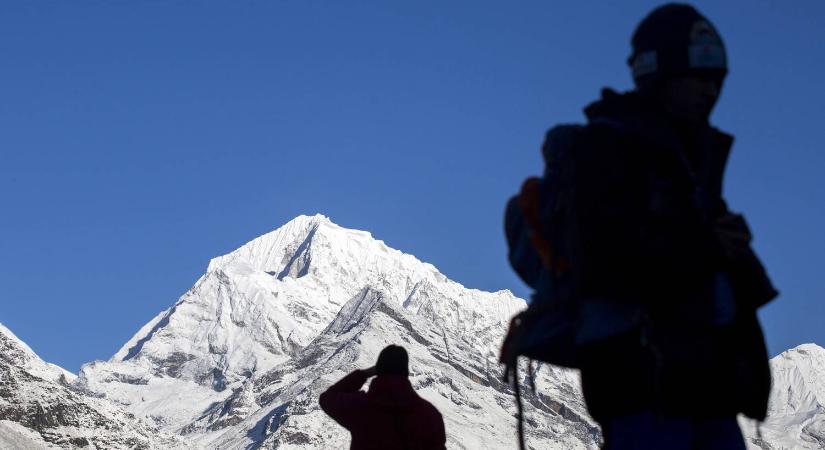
(389, 416)
(647, 194)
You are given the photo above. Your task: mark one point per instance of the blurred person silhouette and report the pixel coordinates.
(390, 415)
(642, 277)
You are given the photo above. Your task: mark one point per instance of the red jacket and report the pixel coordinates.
(390, 416)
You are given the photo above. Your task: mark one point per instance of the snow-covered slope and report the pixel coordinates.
(239, 360)
(281, 306)
(796, 415)
(19, 352)
(39, 409)
(456, 372)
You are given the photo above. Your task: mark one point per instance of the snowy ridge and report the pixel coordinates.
(447, 368)
(802, 370)
(27, 360)
(40, 409)
(260, 306)
(796, 415)
(238, 361)
(273, 295)
(267, 252)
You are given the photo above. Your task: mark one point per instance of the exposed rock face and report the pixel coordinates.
(238, 362)
(272, 324)
(40, 409)
(450, 369)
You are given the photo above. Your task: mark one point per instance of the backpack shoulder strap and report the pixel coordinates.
(558, 141)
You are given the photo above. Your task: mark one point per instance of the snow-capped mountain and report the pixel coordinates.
(796, 412)
(40, 409)
(240, 359)
(238, 362)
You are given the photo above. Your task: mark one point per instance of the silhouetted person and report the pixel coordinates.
(663, 279)
(390, 415)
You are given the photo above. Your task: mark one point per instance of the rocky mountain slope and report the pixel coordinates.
(239, 360)
(272, 324)
(40, 408)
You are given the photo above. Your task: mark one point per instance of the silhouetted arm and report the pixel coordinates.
(344, 401)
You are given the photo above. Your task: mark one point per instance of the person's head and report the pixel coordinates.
(393, 360)
(679, 60)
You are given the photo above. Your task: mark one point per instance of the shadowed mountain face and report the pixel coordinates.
(240, 359)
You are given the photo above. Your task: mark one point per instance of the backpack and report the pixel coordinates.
(539, 228)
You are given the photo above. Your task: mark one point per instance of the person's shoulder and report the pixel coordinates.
(427, 408)
(602, 133)
(602, 141)
(586, 141)
(615, 113)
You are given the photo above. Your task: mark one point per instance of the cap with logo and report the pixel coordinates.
(675, 39)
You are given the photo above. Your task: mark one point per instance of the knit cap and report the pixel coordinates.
(393, 360)
(675, 39)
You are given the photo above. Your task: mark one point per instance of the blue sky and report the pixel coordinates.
(140, 139)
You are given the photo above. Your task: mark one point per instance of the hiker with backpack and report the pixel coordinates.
(642, 277)
(390, 415)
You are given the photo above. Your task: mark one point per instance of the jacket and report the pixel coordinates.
(647, 195)
(388, 416)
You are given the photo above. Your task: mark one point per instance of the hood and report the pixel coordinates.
(638, 115)
(613, 104)
(393, 393)
(634, 114)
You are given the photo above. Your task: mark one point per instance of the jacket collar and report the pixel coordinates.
(633, 114)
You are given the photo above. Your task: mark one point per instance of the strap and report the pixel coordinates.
(511, 377)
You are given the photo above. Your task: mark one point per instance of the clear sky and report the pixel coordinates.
(140, 139)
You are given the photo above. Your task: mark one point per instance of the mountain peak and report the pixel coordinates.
(314, 245)
(266, 252)
(805, 364)
(806, 349)
(263, 304)
(797, 398)
(10, 335)
(241, 358)
(18, 353)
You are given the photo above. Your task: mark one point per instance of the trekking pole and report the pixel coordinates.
(519, 408)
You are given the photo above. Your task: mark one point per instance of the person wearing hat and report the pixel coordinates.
(654, 236)
(390, 415)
